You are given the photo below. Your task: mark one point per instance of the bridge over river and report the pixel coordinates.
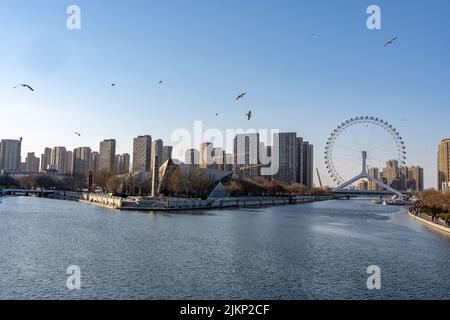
(26, 192)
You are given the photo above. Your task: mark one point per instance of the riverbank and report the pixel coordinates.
(182, 204)
(423, 219)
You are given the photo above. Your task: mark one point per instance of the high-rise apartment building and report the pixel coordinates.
(300, 160)
(218, 155)
(95, 162)
(142, 153)
(157, 153)
(69, 162)
(246, 154)
(228, 165)
(402, 178)
(373, 172)
(107, 155)
(122, 163)
(81, 161)
(287, 144)
(391, 171)
(192, 157)
(308, 164)
(206, 155)
(10, 151)
(415, 174)
(32, 163)
(58, 159)
(167, 153)
(46, 159)
(443, 163)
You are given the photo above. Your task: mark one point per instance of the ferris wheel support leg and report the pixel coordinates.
(364, 174)
(349, 182)
(385, 186)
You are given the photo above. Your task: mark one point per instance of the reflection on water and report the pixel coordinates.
(309, 251)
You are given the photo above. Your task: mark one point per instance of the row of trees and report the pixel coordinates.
(260, 186)
(66, 183)
(174, 183)
(107, 181)
(436, 204)
(193, 184)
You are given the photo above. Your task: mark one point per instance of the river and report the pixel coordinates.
(308, 251)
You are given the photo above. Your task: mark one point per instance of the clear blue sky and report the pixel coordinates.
(207, 52)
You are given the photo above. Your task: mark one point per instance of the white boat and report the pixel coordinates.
(395, 202)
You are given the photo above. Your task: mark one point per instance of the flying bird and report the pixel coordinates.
(217, 114)
(78, 134)
(160, 82)
(249, 115)
(390, 42)
(241, 96)
(24, 86)
(113, 84)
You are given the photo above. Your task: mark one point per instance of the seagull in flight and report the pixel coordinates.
(249, 115)
(241, 96)
(25, 86)
(390, 42)
(78, 134)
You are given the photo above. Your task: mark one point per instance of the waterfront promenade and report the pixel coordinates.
(426, 219)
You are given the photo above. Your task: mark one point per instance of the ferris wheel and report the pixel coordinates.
(370, 139)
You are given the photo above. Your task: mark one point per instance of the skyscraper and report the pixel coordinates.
(415, 174)
(373, 172)
(443, 163)
(58, 159)
(308, 164)
(287, 144)
(142, 153)
(46, 159)
(206, 156)
(300, 160)
(122, 163)
(32, 163)
(10, 151)
(391, 173)
(192, 157)
(218, 155)
(107, 155)
(167, 153)
(157, 150)
(95, 162)
(228, 165)
(246, 154)
(266, 162)
(81, 161)
(69, 162)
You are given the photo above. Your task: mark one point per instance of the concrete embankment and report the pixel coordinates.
(429, 222)
(173, 204)
(178, 204)
(92, 198)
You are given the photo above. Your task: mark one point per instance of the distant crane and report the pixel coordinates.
(320, 180)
